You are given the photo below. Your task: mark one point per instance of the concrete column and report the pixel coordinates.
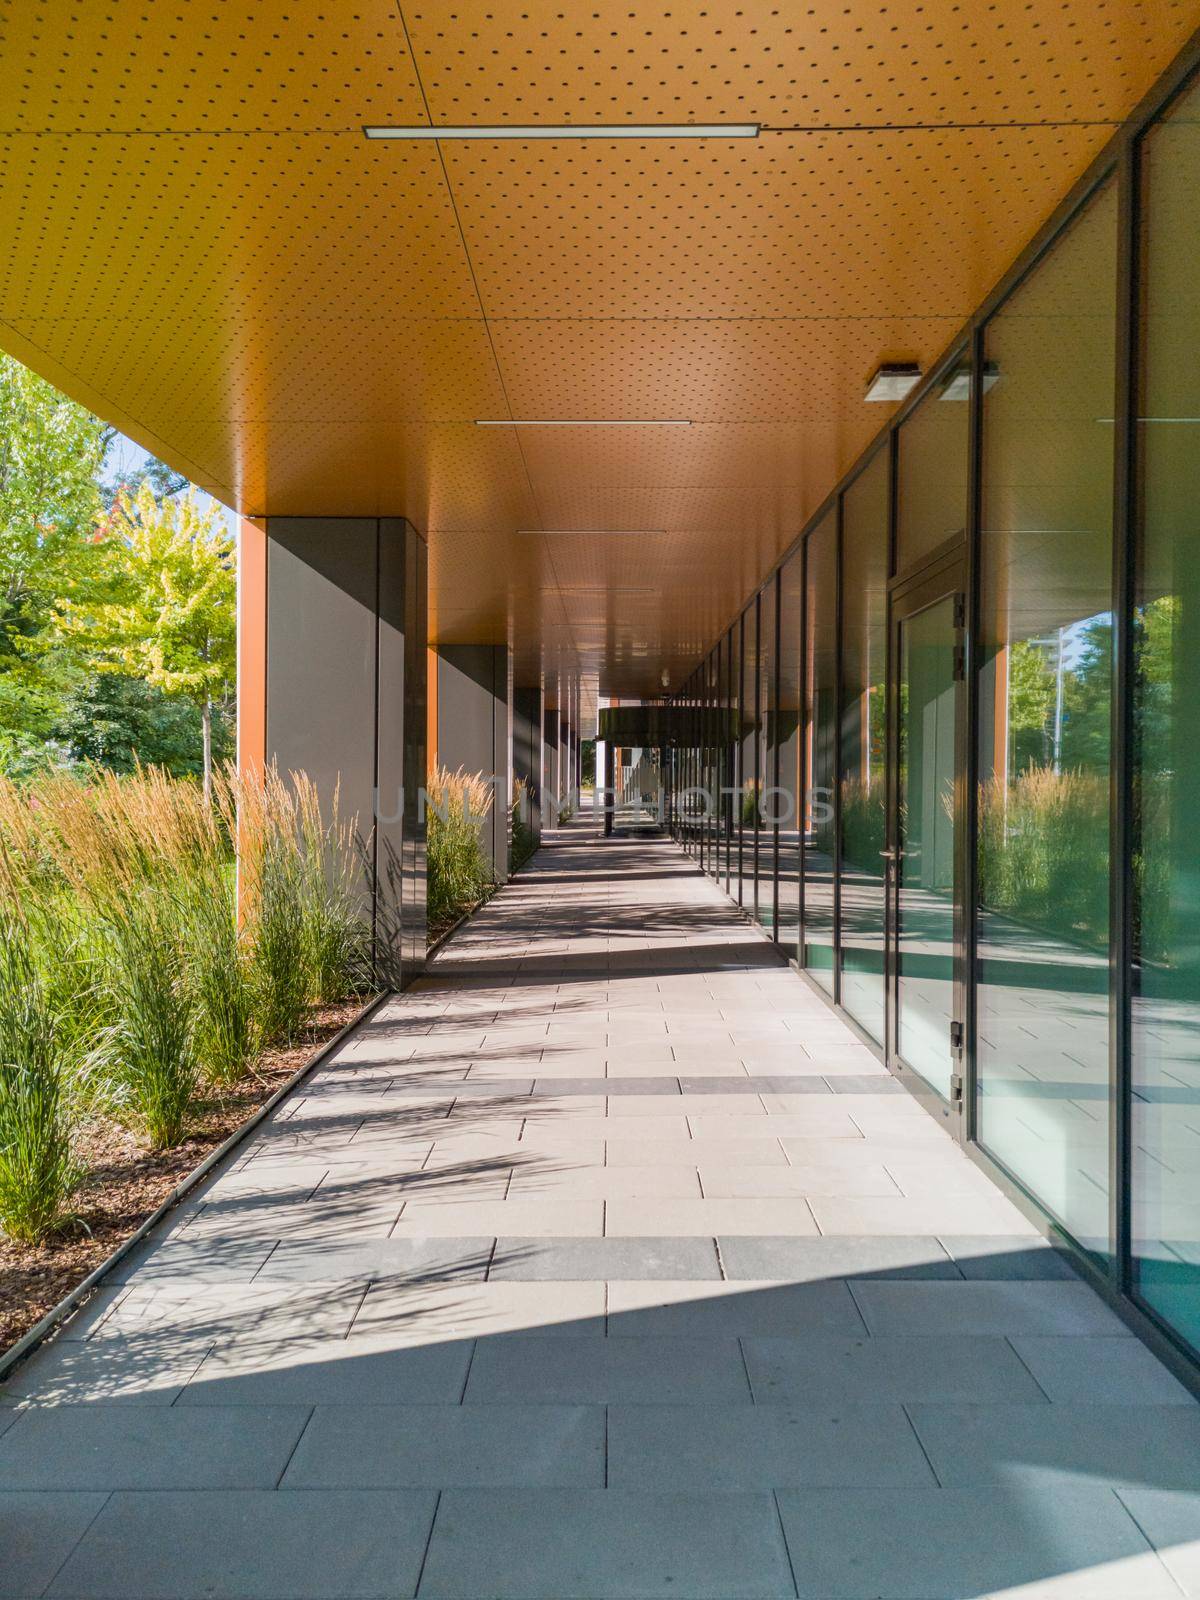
(339, 689)
(528, 716)
(550, 766)
(475, 729)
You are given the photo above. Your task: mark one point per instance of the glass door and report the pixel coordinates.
(925, 855)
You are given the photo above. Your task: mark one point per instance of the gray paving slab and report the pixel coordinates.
(419, 1259)
(996, 1256)
(252, 1545)
(1116, 1371)
(1068, 1543)
(590, 1371)
(1135, 1446)
(682, 1449)
(846, 1256)
(149, 1447)
(997, 1308)
(37, 1534)
(605, 1544)
(573, 1259)
(671, 1311)
(460, 1446)
(820, 1367)
(137, 1369)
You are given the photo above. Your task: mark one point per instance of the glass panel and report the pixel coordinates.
(925, 757)
(1045, 695)
(821, 734)
(1166, 1007)
(748, 802)
(864, 652)
(734, 760)
(711, 780)
(767, 738)
(791, 601)
(934, 455)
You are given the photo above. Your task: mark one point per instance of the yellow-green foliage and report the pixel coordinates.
(460, 875)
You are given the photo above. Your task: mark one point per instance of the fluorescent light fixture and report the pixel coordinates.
(958, 384)
(568, 130)
(583, 422)
(594, 533)
(893, 380)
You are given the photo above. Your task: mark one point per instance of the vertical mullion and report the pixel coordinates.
(970, 805)
(838, 688)
(776, 697)
(803, 777)
(1121, 886)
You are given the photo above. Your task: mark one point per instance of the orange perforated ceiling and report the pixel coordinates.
(201, 245)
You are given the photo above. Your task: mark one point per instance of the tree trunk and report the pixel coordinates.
(206, 726)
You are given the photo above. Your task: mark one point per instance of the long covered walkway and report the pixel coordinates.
(605, 1262)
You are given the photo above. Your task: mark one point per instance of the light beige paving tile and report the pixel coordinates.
(859, 1178)
(955, 1213)
(535, 1217)
(694, 1152)
(707, 1218)
(427, 1314)
(607, 1182)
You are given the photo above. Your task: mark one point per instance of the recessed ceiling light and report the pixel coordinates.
(583, 422)
(893, 380)
(567, 130)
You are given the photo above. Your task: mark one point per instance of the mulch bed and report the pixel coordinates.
(127, 1181)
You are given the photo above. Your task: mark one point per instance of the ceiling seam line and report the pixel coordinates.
(533, 494)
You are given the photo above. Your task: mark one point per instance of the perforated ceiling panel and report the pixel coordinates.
(201, 245)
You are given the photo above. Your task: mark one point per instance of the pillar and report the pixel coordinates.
(331, 639)
(550, 766)
(474, 695)
(528, 717)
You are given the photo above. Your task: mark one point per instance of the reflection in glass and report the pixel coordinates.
(821, 715)
(1045, 697)
(934, 453)
(788, 804)
(764, 903)
(1166, 1006)
(863, 816)
(748, 799)
(925, 757)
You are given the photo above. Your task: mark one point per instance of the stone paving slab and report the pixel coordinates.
(560, 1544)
(310, 1545)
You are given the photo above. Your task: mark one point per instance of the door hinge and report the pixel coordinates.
(960, 663)
(956, 1088)
(960, 610)
(956, 1037)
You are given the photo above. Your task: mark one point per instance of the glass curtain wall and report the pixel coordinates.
(1082, 1064)
(821, 740)
(1045, 695)
(1166, 777)
(789, 780)
(863, 774)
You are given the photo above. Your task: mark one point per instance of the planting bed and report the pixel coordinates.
(127, 1181)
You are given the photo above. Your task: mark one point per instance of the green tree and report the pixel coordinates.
(51, 452)
(165, 612)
